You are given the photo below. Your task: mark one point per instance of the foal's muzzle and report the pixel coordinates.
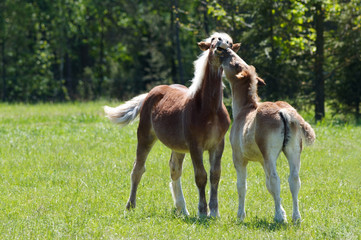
(221, 47)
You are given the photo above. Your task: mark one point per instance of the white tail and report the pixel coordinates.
(127, 112)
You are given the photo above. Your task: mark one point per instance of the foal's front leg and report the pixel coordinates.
(241, 168)
(201, 179)
(215, 156)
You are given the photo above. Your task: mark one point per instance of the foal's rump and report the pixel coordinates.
(274, 118)
(295, 122)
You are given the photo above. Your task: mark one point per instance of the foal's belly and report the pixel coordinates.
(251, 152)
(169, 130)
(171, 137)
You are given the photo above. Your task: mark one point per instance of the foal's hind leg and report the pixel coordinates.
(145, 144)
(273, 185)
(293, 154)
(215, 156)
(175, 164)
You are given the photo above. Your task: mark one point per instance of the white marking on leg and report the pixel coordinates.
(178, 197)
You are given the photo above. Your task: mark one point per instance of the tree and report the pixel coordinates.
(307, 51)
(344, 85)
(319, 61)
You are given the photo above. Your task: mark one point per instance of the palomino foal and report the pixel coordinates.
(260, 132)
(186, 120)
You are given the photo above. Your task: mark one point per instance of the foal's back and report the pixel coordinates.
(177, 119)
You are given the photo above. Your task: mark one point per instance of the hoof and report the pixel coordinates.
(281, 218)
(296, 220)
(214, 214)
(202, 215)
(241, 216)
(130, 206)
(183, 212)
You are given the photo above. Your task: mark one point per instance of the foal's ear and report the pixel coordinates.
(204, 45)
(242, 74)
(236, 47)
(260, 82)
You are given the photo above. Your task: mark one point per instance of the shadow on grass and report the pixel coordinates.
(201, 221)
(254, 223)
(264, 224)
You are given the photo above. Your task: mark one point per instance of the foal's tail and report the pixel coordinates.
(127, 112)
(289, 116)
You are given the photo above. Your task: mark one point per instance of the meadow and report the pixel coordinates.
(65, 174)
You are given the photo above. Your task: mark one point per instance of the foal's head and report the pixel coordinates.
(216, 44)
(237, 70)
(243, 77)
(213, 49)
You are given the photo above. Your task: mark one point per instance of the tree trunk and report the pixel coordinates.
(101, 57)
(357, 114)
(3, 67)
(68, 79)
(273, 51)
(319, 59)
(3, 57)
(179, 55)
(173, 53)
(205, 16)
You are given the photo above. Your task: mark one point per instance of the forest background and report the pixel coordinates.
(308, 51)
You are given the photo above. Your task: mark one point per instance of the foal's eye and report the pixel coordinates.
(231, 45)
(212, 39)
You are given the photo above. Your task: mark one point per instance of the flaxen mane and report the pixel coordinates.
(199, 69)
(201, 63)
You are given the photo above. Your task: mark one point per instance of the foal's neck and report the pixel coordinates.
(211, 92)
(243, 96)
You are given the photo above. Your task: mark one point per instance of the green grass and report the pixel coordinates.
(65, 173)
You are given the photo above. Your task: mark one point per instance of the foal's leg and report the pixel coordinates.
(145, 144)
(201, 179)
(293, 155)
(175, 164)
(273, 186)
(241, 168)
(215, 156)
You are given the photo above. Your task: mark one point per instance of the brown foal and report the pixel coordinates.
(186, 120)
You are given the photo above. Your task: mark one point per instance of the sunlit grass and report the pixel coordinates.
(65, 173)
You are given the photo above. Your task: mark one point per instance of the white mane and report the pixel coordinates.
(199, 69)
(201, 63)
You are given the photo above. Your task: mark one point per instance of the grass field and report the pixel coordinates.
(65, 173)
